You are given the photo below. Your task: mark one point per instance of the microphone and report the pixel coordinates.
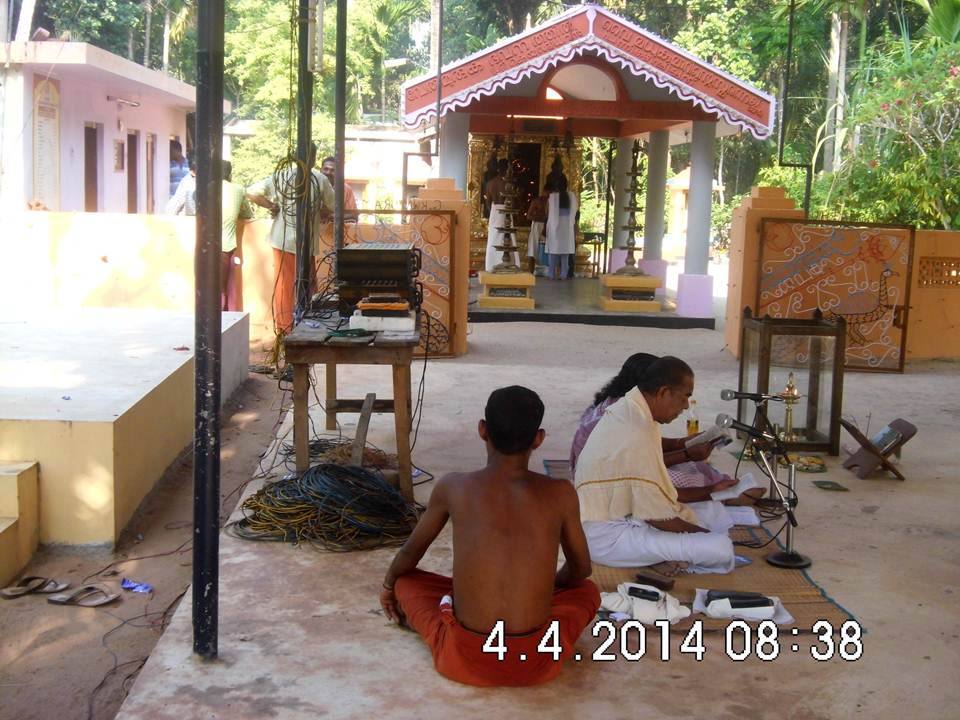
(755, 397)
(725, 421)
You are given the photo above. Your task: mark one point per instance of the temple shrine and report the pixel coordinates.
(590, 73)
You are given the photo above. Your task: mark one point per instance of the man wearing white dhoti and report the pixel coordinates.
(629, 506)
(561, 228)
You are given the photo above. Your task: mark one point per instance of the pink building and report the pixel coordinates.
(82, 129)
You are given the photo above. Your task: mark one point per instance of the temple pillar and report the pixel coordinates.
(658, 150)
(695, 288)
(454, 151)
(621, 166)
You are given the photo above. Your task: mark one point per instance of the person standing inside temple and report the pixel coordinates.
(562, 214)
(537, 215)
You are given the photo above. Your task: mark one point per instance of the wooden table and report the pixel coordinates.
(307, 346)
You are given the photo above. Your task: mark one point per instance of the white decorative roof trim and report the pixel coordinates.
(613, 54)
(540, 65)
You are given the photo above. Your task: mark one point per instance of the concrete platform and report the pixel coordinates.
(103, 400)
(302, 636)
(577, 300)
(519, 282)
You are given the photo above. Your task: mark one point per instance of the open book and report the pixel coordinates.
(716, 435)
(746, 482)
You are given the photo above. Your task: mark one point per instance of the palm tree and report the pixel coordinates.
(379, 23)
(943, 21)
(176, 24)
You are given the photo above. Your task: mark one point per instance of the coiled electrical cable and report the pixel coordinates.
(334, 507)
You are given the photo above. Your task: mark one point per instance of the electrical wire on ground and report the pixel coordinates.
(333, 507)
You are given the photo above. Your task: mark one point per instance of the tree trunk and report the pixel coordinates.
(830, 127)
(166, 40)
(383, 91)
(841, 82)
(148, 22)
(864, 79)
(130, 44)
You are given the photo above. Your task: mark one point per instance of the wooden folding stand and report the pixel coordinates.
(869, 457)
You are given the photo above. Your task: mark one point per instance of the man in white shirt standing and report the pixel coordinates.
(283, 233)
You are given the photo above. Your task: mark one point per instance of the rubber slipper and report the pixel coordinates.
(87, 596)
(34, 584)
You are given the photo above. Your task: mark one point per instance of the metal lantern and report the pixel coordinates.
(801, 362)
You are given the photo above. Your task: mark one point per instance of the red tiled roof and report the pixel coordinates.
(595, 30)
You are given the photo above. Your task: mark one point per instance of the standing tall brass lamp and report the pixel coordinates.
(801, 361)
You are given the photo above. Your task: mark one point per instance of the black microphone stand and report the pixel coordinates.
(773, 446)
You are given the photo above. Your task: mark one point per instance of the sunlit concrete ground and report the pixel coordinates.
(302, 636)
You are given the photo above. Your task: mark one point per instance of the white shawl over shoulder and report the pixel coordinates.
(621, 471)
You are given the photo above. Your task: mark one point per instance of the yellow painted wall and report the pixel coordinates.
(933, 326)
(165, 417)
(933, 329)
(76, 476)
(745, 254)
(19, 518)
(66, 260)
(94, 475)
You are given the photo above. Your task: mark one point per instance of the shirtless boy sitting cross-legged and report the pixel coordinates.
(508, 524)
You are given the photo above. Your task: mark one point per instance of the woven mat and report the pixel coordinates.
(802, 597)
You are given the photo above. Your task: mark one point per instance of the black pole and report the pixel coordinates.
(340, 120)
(305, 195)
(206, 438)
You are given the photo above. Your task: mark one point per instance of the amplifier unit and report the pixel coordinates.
(368, 268)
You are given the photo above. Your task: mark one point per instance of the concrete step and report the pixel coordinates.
(19, 517)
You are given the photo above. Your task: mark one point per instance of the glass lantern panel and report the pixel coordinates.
(809, 360)
(749, 372)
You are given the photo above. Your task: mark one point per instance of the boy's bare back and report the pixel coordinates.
(507, 530)
(508, 525)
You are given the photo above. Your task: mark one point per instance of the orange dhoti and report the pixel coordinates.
(285, 279)
(458, 652)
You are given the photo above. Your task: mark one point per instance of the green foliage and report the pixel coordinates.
(119, 26)
(943, 23)
(723, 36)
(104, 23)
(721, 215)
(256, 157)
(900, 156)
(466, 30)
(379, 29)
(793, 180)
(257, 58)
(907, 165)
